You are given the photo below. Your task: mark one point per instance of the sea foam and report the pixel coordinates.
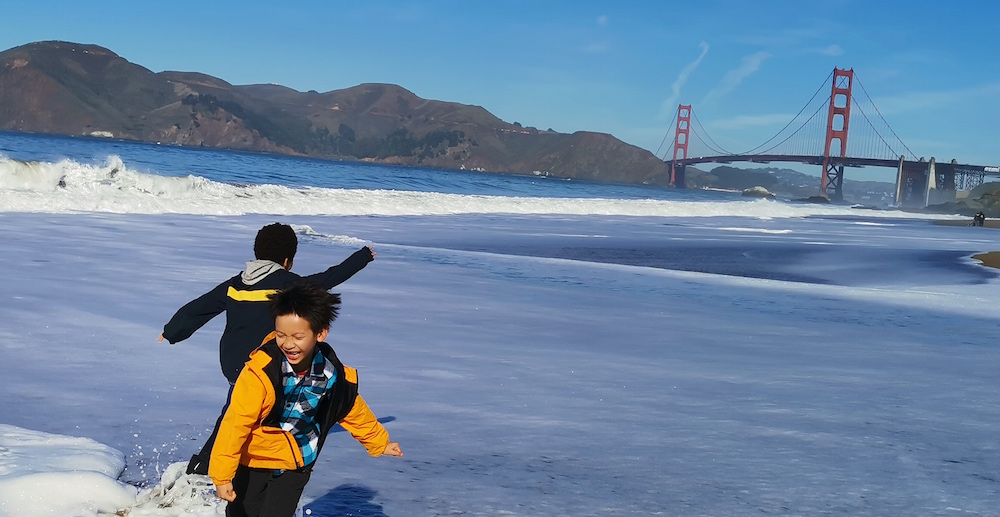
(70, 186)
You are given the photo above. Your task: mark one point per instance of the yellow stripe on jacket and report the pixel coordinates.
(243, 440)
(258, 295)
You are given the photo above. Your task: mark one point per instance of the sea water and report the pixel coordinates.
(537, 346)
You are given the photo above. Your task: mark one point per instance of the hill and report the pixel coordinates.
(74, 89)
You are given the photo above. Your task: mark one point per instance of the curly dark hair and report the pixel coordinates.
(308, 301)
(276, 242)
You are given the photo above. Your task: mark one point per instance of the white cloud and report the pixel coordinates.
(670, 103)
(832, 51)
(733, 78)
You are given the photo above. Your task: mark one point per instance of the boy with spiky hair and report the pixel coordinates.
(291, 392)
(244, 300)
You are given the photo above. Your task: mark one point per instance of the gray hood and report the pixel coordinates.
(257, 270)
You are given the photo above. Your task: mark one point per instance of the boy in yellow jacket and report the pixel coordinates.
(287, 397)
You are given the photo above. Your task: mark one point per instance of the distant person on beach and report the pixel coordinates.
(979, 219)
(244, 299)
(292, 391)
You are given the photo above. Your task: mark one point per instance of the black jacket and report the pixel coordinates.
(248, 320)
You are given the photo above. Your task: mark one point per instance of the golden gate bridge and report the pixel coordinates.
(818, 135)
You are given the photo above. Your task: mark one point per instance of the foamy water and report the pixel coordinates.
(70, 186)
(690, 353)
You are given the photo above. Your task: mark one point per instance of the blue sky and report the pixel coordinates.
(613, 67)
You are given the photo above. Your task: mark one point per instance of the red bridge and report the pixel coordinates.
(874, 144)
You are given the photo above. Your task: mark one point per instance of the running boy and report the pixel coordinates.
(243, 298)
(291, 392)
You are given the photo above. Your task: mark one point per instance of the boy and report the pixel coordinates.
(243, 298)
(291, 392)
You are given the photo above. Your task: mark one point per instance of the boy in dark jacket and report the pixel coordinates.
(244, 299)
(292, 391)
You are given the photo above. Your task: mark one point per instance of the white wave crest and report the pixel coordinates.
(69, 186)
(308, 233)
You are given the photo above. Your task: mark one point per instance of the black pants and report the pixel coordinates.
(199, 462)
(259, 493)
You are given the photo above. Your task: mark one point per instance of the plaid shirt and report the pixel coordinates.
(302, 398)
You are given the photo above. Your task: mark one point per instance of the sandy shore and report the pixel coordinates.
(990, 258)
(990, 223)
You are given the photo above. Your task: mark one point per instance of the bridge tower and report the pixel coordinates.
(837, 122)
(680, 144)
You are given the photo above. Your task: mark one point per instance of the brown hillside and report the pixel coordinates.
(69, 88)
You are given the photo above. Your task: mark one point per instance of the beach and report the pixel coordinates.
(549, 355)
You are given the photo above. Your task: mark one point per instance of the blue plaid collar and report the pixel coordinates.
(302, 398)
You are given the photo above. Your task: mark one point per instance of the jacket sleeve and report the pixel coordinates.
(365, 428)
(241, 417)
(336, 275)
(195, 314)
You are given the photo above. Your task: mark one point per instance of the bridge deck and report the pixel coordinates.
(836, 160)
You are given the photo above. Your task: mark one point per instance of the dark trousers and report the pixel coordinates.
(259, 493)
(199, 462)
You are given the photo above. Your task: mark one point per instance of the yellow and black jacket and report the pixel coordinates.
(251, 435)
(243, 298)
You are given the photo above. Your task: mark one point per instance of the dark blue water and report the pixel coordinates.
(238, 167)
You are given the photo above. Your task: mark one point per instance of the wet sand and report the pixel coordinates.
(990, 223)
(990, 258)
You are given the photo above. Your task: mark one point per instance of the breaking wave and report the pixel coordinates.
(69, 186)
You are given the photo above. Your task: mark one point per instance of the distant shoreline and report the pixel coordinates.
(989, 223)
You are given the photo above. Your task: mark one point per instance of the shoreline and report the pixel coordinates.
(989, 223)
(988, 259)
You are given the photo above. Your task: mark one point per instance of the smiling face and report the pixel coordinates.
(296, 339)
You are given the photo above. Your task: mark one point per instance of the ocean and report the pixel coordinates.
(537, 346)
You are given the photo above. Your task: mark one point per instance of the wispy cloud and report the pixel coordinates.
(670, 103)
(832, 51)
(913, 101)
(599, 47)
(734, 77)
(827, 51)
(743, 121)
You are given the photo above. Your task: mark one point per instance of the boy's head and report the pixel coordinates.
(276, 242)
(302, 315)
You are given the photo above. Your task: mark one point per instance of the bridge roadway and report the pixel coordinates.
(835, 160)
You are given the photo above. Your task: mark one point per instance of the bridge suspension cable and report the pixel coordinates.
(714, 146)
(805, 134)
(824, 85)
(670, 148)
(894, 151)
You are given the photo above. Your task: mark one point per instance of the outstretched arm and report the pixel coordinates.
(365, 428)
(195, 314)
(338, 274)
